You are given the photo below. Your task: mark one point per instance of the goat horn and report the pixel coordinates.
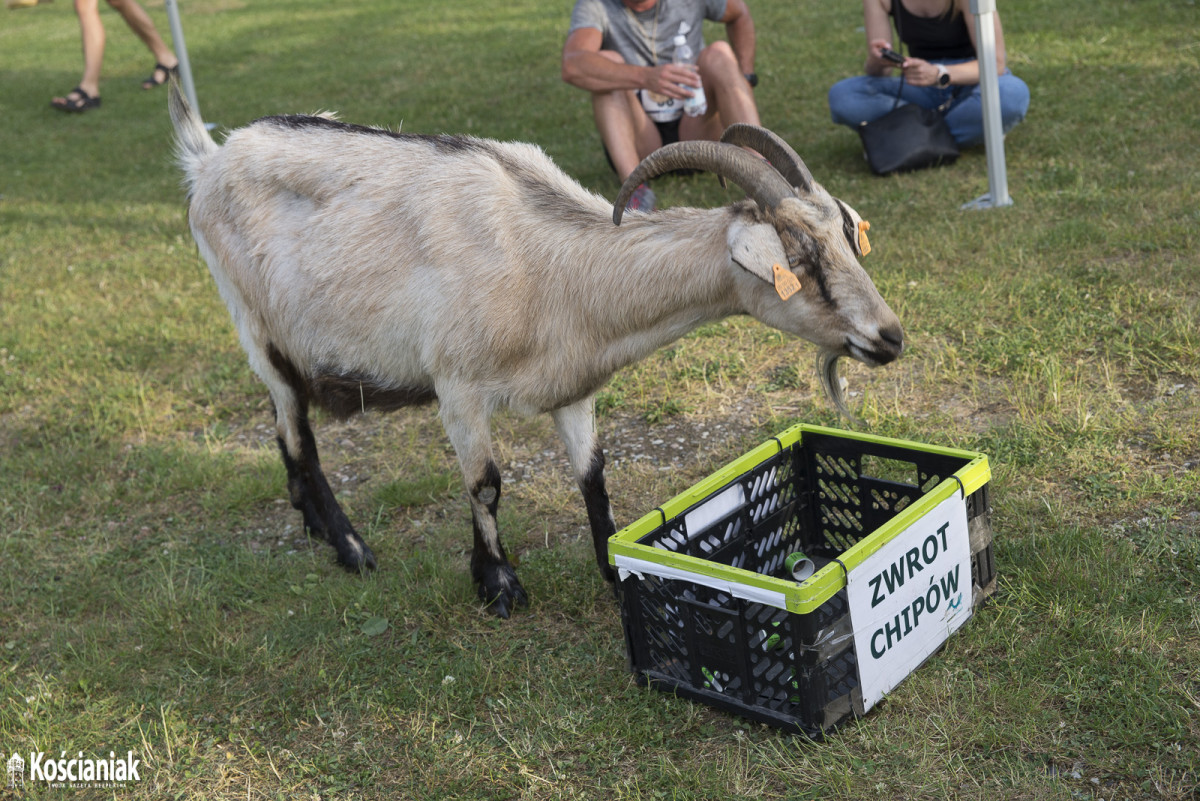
(774, 149)
(758, 178)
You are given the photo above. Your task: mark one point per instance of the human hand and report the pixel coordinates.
(875, 50)
(919, 72)
(673, 80)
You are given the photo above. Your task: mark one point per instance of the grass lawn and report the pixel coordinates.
(158, 594)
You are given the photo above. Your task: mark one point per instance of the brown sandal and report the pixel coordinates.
(76, 100)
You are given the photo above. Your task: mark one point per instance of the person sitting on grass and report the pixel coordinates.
(940, 71)
(87, 94)
(620, 51)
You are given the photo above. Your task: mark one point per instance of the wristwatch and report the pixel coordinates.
(943, 78)
(752, 79)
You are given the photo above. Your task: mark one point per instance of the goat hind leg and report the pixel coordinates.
(308, 489)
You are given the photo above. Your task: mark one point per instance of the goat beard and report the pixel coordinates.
(827, 368)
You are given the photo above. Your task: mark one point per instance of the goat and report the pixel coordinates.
(368, 269)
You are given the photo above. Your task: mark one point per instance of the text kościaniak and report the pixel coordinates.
(80, 769)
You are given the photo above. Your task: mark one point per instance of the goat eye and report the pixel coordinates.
(793, 262)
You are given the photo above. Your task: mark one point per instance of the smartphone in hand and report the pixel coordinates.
(891, 55)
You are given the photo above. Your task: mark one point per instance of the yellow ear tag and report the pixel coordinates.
(863, 245)
(786, 282)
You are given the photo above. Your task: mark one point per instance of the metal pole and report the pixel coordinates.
(185, 67)
(993, 132)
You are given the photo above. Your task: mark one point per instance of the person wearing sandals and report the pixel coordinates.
(87, 94)
(940, 71)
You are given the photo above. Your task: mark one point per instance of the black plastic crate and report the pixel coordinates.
(709, 610)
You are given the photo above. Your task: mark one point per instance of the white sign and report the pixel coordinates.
(714, 509)
(909, 596)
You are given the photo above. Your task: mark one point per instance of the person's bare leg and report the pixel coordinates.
(730, 97)
(627, 133)
(140, 23)
(91, 32)
(627, 141)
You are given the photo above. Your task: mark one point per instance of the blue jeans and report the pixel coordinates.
(865, 98)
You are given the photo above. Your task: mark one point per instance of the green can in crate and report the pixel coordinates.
(711, 608)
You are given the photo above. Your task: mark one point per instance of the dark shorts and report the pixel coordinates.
(669, 131)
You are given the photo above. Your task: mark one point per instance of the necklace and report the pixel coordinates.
(651, 42)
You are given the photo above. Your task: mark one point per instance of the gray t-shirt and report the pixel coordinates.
(646, 38)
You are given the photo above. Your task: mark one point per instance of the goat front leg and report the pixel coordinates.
(576, 426)
(308, 489)
(497, 582)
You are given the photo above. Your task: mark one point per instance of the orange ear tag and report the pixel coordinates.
(786, 282)
(863, 245)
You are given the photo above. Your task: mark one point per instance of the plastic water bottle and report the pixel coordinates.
(697, 104)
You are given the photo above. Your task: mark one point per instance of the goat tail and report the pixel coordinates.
(193, 145)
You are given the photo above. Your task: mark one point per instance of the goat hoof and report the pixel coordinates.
(354, 555)
(501, 590)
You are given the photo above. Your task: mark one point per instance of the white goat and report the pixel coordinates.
(370, 269)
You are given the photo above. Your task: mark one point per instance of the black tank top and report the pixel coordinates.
(933, 38)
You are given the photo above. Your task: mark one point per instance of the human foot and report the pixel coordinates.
(161, 75)
(76, 100)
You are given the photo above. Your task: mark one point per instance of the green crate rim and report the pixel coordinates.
(808, 596)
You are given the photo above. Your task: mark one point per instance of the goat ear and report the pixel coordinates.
(757, 249)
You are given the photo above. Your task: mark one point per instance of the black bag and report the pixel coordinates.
(907, 138)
